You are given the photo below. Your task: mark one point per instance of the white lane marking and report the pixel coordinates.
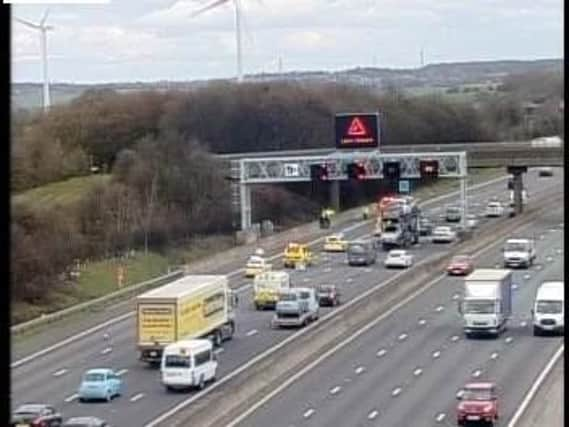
(541, 237)
(455, 297)
(454, 338)
(549, 259)
(396, 392)
(402, 337)
(327, 270)
(559, 251)
(494, 356)
(439, 308)
(477, 373)
(59, 373)
(107, 350)
(459, 393)
(308, 413)
(360, 369)
(252, 332)
(349, 280)
(381, 353)
(125, 316)
(535, 387)
(137, 397)
(422, 322)
(436, 354)
(539, 267)
(523, 323)
(514, 286)
(527, 276)
(509, 340)
(335, 390)
(71, 398)
(440, 417)
(122, 372)
(368, 270)
(372, 415)
(218, 350)
(417, 372)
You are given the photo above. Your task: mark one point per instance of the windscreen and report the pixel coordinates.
(471, 394)
(357, 249)
(176, 361)
(390, 229)
(549, 307)
(94, 377)
(288, 297)
(479, 307)
(516, 246)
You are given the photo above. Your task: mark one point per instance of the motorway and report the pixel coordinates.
(407, 370)
(55, 377)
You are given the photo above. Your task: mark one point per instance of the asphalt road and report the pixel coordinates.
(55, 377)
(407, 370)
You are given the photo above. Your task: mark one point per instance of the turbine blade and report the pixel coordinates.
(44, 16)
(28, 24)
(206, 8)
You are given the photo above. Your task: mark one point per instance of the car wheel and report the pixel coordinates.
(217, 339)
(109, 396)
(201, 384)
(536, 332)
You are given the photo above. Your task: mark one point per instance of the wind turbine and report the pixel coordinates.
(43, 29)
(237, 6)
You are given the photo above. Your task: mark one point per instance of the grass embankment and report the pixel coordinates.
(100, 278)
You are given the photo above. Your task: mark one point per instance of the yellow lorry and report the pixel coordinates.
(193, 306)
(296, 253)
(267, 288)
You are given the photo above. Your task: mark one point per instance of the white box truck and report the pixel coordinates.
(548, 311)
(194, 306)
(486, 304)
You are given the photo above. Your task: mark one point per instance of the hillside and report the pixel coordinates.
(430, 77)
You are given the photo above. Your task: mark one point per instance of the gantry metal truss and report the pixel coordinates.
(273, 170)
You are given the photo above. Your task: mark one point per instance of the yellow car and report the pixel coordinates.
(296, 253)
(335, 243)
(256, 265)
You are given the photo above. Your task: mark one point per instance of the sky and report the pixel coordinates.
(152, 40)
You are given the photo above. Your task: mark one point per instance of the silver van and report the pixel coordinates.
(361, 252)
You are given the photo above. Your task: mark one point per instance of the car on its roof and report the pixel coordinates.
(85, 422)
(36, 415)
(460, 265)
(477, 402)
(99, 383)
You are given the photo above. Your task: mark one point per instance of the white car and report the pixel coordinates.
(443, 234)
(494, 210)
(471, 221)
(398, 258)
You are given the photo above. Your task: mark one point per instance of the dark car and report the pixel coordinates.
(328, 295)
(85, 422)
(425, 226)
(36, 415)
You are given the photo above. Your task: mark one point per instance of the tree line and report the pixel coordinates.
(166, 188)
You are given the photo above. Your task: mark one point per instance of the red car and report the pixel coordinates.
(478, 402)
(36, 415)
(460, 265)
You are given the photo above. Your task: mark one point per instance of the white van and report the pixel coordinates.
(189, 363)
(548, 312)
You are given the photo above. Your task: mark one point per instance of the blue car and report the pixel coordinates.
(100, 384)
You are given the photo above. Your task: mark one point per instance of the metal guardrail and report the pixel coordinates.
(48, 318)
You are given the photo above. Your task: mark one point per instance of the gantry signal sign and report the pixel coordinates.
(355, 130)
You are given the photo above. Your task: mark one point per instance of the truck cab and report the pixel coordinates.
(519, 253)
(296, 307)
(296, 253)
(548, 311)
(477, 402)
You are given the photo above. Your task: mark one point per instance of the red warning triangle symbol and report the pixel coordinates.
(357, 128)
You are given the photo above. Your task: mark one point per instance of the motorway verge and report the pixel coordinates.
(249, 384)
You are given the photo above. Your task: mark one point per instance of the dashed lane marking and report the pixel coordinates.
(509, 340)
(440, 417)
(455, 297)
(422, 322)
(459, 393)
(71, 398)
(252, 332)
(439, 308)
(218, 350)
(417, 372)
(454, 338)
(477, 373)
(396, 391)
(523, 323)
(360, 369)
(527, 276)
(494, 356)
(402, 337)
(381, 353)
(372, 415)
(107, 350)
(60, 373)
(122, 372)
(335, 390)
(349, 280)
(308, 413)
(436, 354)
(137, 397)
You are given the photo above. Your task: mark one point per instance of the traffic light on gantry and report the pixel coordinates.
(429, 168)
(319, 172)
(356, 171)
